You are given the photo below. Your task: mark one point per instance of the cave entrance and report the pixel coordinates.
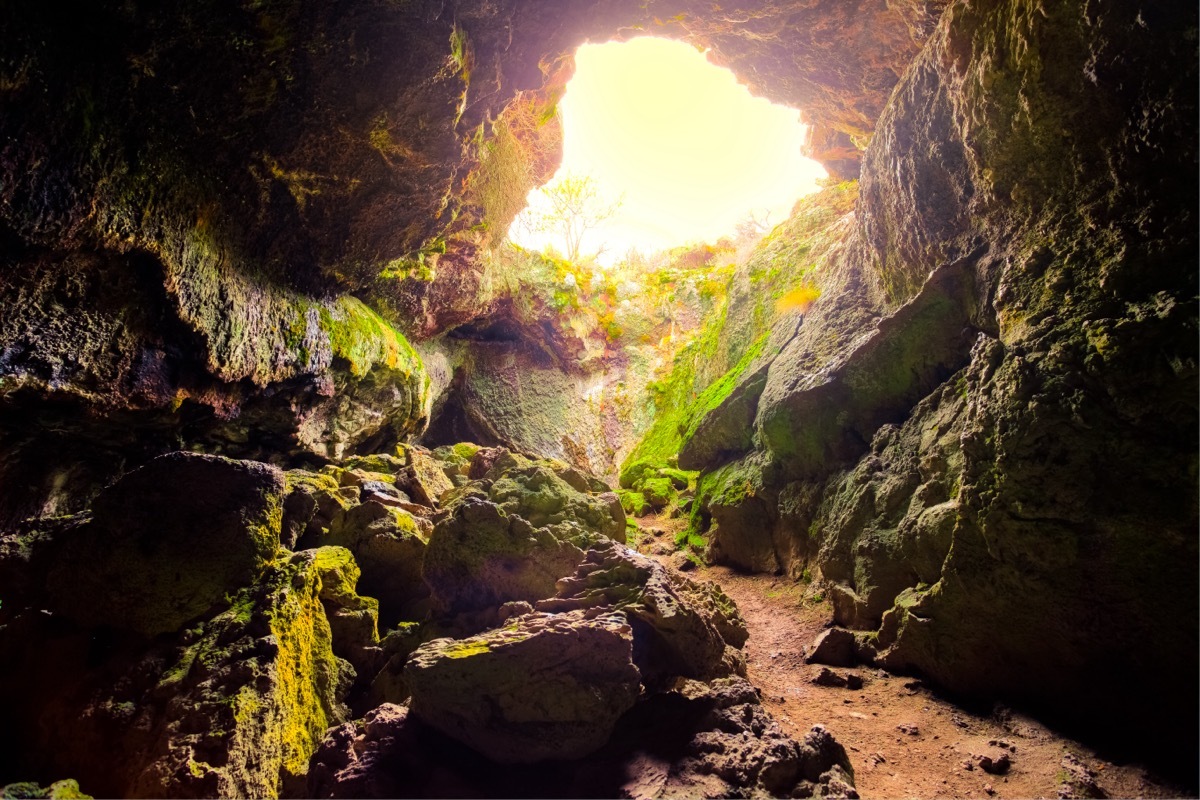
(662, 148)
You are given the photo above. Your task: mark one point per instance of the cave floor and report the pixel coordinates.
(871, 723)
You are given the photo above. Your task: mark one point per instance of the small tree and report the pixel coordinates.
(572, 207)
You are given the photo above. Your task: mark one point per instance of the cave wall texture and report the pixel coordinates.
(189, 193)
(222, 225)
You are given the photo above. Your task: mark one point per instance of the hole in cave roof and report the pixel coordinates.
(681, 149)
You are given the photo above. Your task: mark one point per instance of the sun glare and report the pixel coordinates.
(687, 150)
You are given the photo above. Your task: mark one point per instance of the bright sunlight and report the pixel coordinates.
(676, 149)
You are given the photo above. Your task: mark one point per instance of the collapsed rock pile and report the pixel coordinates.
(217, 624)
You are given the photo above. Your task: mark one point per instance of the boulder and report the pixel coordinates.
(544, 687)
(389, 545)
(168, 542)
(233, 706)
(543, 498)
(481, 557)
(59, 790)
(309, 505)
(424, 479)
(693, 629)
(833, 646)
(709, 740)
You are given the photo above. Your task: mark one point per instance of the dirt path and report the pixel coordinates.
(903, 740)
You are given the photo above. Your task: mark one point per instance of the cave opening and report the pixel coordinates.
(663, 148)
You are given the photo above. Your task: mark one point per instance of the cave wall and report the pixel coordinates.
(188, 194)
(993, 468)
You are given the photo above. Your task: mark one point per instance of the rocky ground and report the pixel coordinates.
(904, 740)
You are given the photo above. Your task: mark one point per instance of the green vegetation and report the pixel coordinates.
(511, 161)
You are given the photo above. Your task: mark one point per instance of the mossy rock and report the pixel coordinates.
(540, 496)
(659, 492)
(389, 546)
(481, 557)
(170, 541)
(478, 690)
(634, 503)
(59, 790)
(256, 721)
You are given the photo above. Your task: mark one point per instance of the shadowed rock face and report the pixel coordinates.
(1006, 500)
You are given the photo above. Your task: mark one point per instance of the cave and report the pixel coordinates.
(312, 484)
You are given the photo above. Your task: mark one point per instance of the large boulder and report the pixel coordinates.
(481, 557)
(168, 542)
(543, 687)
(690, 629)
(544, 498)
(233, 706)
(389, 545)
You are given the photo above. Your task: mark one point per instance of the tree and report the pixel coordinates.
(570, 208)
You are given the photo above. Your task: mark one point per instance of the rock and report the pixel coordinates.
(658, 492)
(238, 727)
(995, 761)
(634, 503)
(833, 646)
(168, 542)
(854, 681)
(353, 619)
(824, 676)
(908, 728)
(312, 500)
(544, 687)
(538, 495)
(1078, 781)
(389, 545)
(695, 630)
(425, 479)
(366, 480)
(59, 790)
(481, 557)
(351, 761)
(696, 740)
(680, 561)
(233, 706)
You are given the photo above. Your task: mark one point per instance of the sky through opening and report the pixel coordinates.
(688, 149)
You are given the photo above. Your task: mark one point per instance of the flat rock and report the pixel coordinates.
(543, 687)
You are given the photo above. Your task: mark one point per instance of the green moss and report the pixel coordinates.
(634, 503)
(659, 492)
(365, 340)
(467, 648)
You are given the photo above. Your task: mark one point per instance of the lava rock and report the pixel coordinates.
(834, 646)
(693, 629)
(168, 542)
(543, 687)
(481, 557)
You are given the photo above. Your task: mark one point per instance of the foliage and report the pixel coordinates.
(570, 208)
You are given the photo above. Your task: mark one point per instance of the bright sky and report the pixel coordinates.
(687, 147)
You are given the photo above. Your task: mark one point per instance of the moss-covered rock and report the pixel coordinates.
(541, 497)
(389, 545)
(695, 630)
(169, 542)
(263, 716)
(634, 503)
(59, 790)
(546, 686)
(481, 557)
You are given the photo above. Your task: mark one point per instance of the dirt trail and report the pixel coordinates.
(903, 740)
